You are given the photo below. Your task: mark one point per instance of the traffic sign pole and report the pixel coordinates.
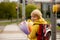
(53, 21)
(17, 10)
(23, 10)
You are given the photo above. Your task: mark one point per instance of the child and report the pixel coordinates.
(36, 17)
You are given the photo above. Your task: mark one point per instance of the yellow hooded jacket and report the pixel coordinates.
(34, 29)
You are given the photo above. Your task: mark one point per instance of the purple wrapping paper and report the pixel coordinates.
(24, 28)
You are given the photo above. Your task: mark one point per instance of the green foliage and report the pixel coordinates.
(58, 28)
(20, 11)
(7, 10)
(29, 9)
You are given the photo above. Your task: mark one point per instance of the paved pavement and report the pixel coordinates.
(13, 36)
(58, 36)
(12, 32)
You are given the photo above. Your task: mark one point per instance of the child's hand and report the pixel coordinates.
(30, 25)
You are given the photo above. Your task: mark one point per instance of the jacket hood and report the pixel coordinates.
(40, 21)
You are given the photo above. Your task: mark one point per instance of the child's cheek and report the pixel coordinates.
(32, 19)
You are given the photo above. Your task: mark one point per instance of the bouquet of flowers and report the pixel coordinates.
(24, 27)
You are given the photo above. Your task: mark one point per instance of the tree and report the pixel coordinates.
(8, 10)
(29, 9)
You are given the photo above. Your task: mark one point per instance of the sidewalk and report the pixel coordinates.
(13, 32)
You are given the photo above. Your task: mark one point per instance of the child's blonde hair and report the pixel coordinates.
(37, 13)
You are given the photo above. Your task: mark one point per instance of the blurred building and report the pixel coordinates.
(30, 1)
(44, 5)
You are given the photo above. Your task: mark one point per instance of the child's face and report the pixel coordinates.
(34, 17)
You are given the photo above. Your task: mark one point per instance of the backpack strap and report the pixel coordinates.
(40, 33)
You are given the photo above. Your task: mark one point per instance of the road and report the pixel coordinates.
(12, 32)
